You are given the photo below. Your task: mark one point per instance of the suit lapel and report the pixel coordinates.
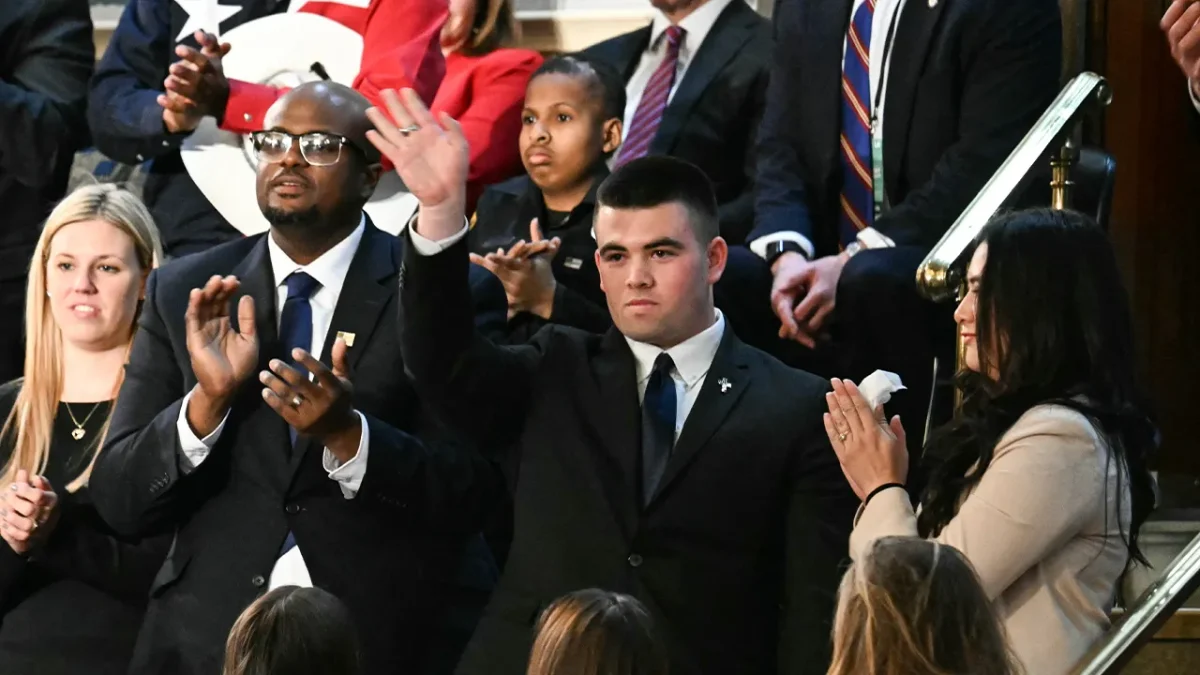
(731, 31)
(914, 35)
(618, 419)
(370, 282)
(824, 26)
(258, 281)
(626, 51)
(727, 381)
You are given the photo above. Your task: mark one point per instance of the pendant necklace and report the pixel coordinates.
(79, 432)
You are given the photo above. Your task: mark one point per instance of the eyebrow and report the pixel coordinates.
(974, 279)
(663, 242)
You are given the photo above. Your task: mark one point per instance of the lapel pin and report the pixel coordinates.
(725, 384)
(346, 337)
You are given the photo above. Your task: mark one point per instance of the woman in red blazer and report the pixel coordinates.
(484, 88)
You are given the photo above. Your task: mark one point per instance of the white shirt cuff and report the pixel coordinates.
(1192, 96)
(349, 476)
(194, 450)
(873, 238)
(428, 247)
(759, 246)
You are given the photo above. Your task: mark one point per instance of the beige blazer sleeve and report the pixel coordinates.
(1044, 482)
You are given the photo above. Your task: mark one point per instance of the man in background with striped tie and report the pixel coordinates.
(884, 119)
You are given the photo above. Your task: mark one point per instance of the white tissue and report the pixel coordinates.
(879, 386)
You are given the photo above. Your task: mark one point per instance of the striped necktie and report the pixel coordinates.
(654, 101)
(858, 197)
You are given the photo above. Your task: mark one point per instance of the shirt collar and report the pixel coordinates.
(329, 269)
(693, 357)
(697, 24)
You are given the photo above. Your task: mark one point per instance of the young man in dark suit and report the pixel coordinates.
(696, 81)
(270, 478)
(884, 119)
(664, 459)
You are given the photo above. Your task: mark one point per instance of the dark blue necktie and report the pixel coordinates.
(658, 424)
(296, 331)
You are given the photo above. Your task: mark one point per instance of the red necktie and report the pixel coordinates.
(654, 101)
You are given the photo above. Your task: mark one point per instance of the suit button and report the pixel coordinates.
(258, 581)
(292, 508)
(635, 560)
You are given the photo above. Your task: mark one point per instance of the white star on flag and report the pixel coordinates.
(204, 15)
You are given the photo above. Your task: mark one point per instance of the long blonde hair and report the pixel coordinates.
(595, 632)
(31, 423)
(915, 607)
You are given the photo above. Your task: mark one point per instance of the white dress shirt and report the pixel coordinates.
(885, 13)
(693, 357)
(330, 272)
(697, 26)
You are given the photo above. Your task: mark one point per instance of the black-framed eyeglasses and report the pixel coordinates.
(318, 148)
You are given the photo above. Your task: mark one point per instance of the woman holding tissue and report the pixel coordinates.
(1040, 480)
(71, 593)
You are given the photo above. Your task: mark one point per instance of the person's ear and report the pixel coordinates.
(371, 175)
(611, 135)
(717, 256)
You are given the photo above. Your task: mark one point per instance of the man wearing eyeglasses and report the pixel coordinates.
(263, 418)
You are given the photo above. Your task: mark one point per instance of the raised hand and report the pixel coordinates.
(222, 358)
(28, 512)
(430, 156)
(196, 85)
(525, 272)
(322, 407)
(1181, 24)
(871, 449)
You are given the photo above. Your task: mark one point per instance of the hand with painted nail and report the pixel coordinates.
(28, 512)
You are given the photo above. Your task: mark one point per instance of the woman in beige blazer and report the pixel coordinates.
(1040, 479)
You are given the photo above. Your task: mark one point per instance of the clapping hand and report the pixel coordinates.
(1181, 24)
(196, 85)
(430, 156)
(321, 407)
(525, 272)
(28, 512)
(871, 449)
(222, 358)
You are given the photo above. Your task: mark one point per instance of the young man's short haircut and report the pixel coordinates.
(655, 180)
(604, 82)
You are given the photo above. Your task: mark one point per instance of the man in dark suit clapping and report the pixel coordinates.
(270, 478)
(664, 459)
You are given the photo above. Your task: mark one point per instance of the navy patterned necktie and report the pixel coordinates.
(659, 409)
(296, 331)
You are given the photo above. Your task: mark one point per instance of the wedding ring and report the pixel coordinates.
(410, 129)
(842, 437)
(296, 401)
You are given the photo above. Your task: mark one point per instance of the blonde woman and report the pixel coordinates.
(915, 607)
(70, 592)
(595, 632)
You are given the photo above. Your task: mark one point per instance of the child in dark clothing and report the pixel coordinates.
(571, 124)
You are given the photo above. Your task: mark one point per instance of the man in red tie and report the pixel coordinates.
(695, 80)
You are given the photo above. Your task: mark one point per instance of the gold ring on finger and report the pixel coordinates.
(296, 401)
(843, 436)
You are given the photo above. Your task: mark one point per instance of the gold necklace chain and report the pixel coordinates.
(79, 431)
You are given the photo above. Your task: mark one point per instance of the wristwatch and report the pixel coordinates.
(778, 248)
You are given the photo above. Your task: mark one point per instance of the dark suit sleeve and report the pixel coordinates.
(572, 308)
(819, 520)
(43, 91)
(123, 114)
(81, 548)
(474, 387)
(737, 215)
(1012, 77)
(137, 484)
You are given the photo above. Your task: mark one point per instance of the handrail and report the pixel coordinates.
(1151, 610)
(938, 277)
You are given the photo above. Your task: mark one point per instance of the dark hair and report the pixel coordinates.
(916, 607)
(495, 27)
(1053, 326)
(293, 631)
(655, 180)
(604, 82)
(595, 632)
